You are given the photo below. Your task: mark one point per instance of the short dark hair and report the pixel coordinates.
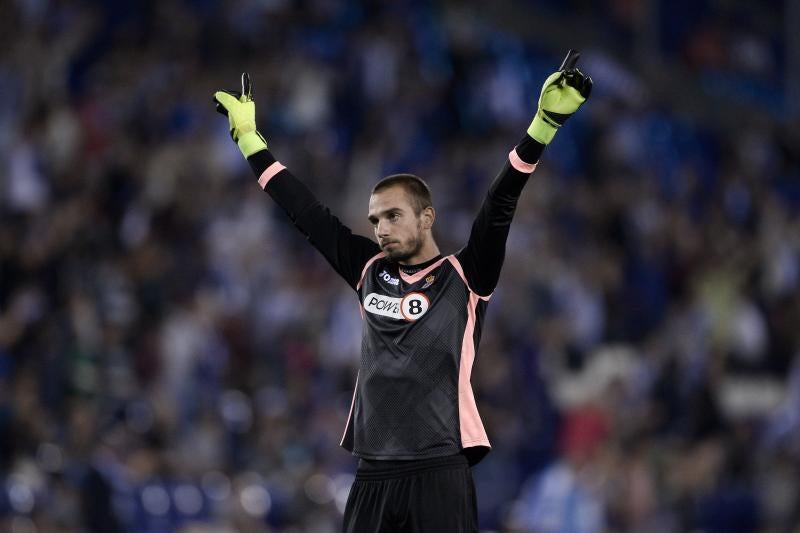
(418, 191)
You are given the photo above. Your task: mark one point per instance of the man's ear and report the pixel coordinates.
(428, 216)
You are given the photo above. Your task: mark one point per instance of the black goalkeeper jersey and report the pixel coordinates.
(413, 397)
(421, 326)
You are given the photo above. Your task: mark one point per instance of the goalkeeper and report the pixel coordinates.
(413, 420)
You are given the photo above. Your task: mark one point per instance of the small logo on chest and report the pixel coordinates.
(410, 307)
(385, 276)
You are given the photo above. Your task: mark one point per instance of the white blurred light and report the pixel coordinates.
(20, 496)
(155, 500)
(135, 226)
(320, 489)
(255, 500)
(50, 457)
(236, 410)
(188, 499)
(216, 485)
(342, 484)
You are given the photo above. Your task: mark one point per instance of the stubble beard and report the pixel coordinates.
(409, 249)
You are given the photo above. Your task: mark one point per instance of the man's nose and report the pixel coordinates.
(382, 229)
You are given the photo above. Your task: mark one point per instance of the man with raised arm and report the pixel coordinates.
(413, 420)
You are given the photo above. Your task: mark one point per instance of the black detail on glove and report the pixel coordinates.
(577, 80)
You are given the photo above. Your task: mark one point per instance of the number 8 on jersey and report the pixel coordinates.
(413, 305)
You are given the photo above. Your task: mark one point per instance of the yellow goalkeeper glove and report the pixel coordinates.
(240, 109)
(562, 94)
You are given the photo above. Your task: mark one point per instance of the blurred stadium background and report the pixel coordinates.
(174, 356)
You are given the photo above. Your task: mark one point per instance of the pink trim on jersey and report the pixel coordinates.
(457, 265)
(269, 173)
(472, 431)
(350, 414)
(413, 278)
(519, 164)
(369, 263)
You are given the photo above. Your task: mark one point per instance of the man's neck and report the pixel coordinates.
(428, 252)
(413, 269)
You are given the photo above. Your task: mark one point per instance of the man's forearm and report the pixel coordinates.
(347, 253)
(482, 257)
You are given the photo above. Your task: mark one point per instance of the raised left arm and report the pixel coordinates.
(562, 94)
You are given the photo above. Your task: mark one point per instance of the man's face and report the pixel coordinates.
(398, 229)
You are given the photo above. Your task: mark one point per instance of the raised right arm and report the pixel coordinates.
(346, 252)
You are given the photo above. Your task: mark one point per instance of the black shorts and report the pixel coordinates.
(426, 496)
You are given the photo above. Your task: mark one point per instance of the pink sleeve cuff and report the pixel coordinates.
(268, 174)
(519, 164)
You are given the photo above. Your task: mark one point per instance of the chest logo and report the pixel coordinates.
(385, 276)
(410, 307)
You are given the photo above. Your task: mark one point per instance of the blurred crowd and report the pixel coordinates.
(175, 357)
